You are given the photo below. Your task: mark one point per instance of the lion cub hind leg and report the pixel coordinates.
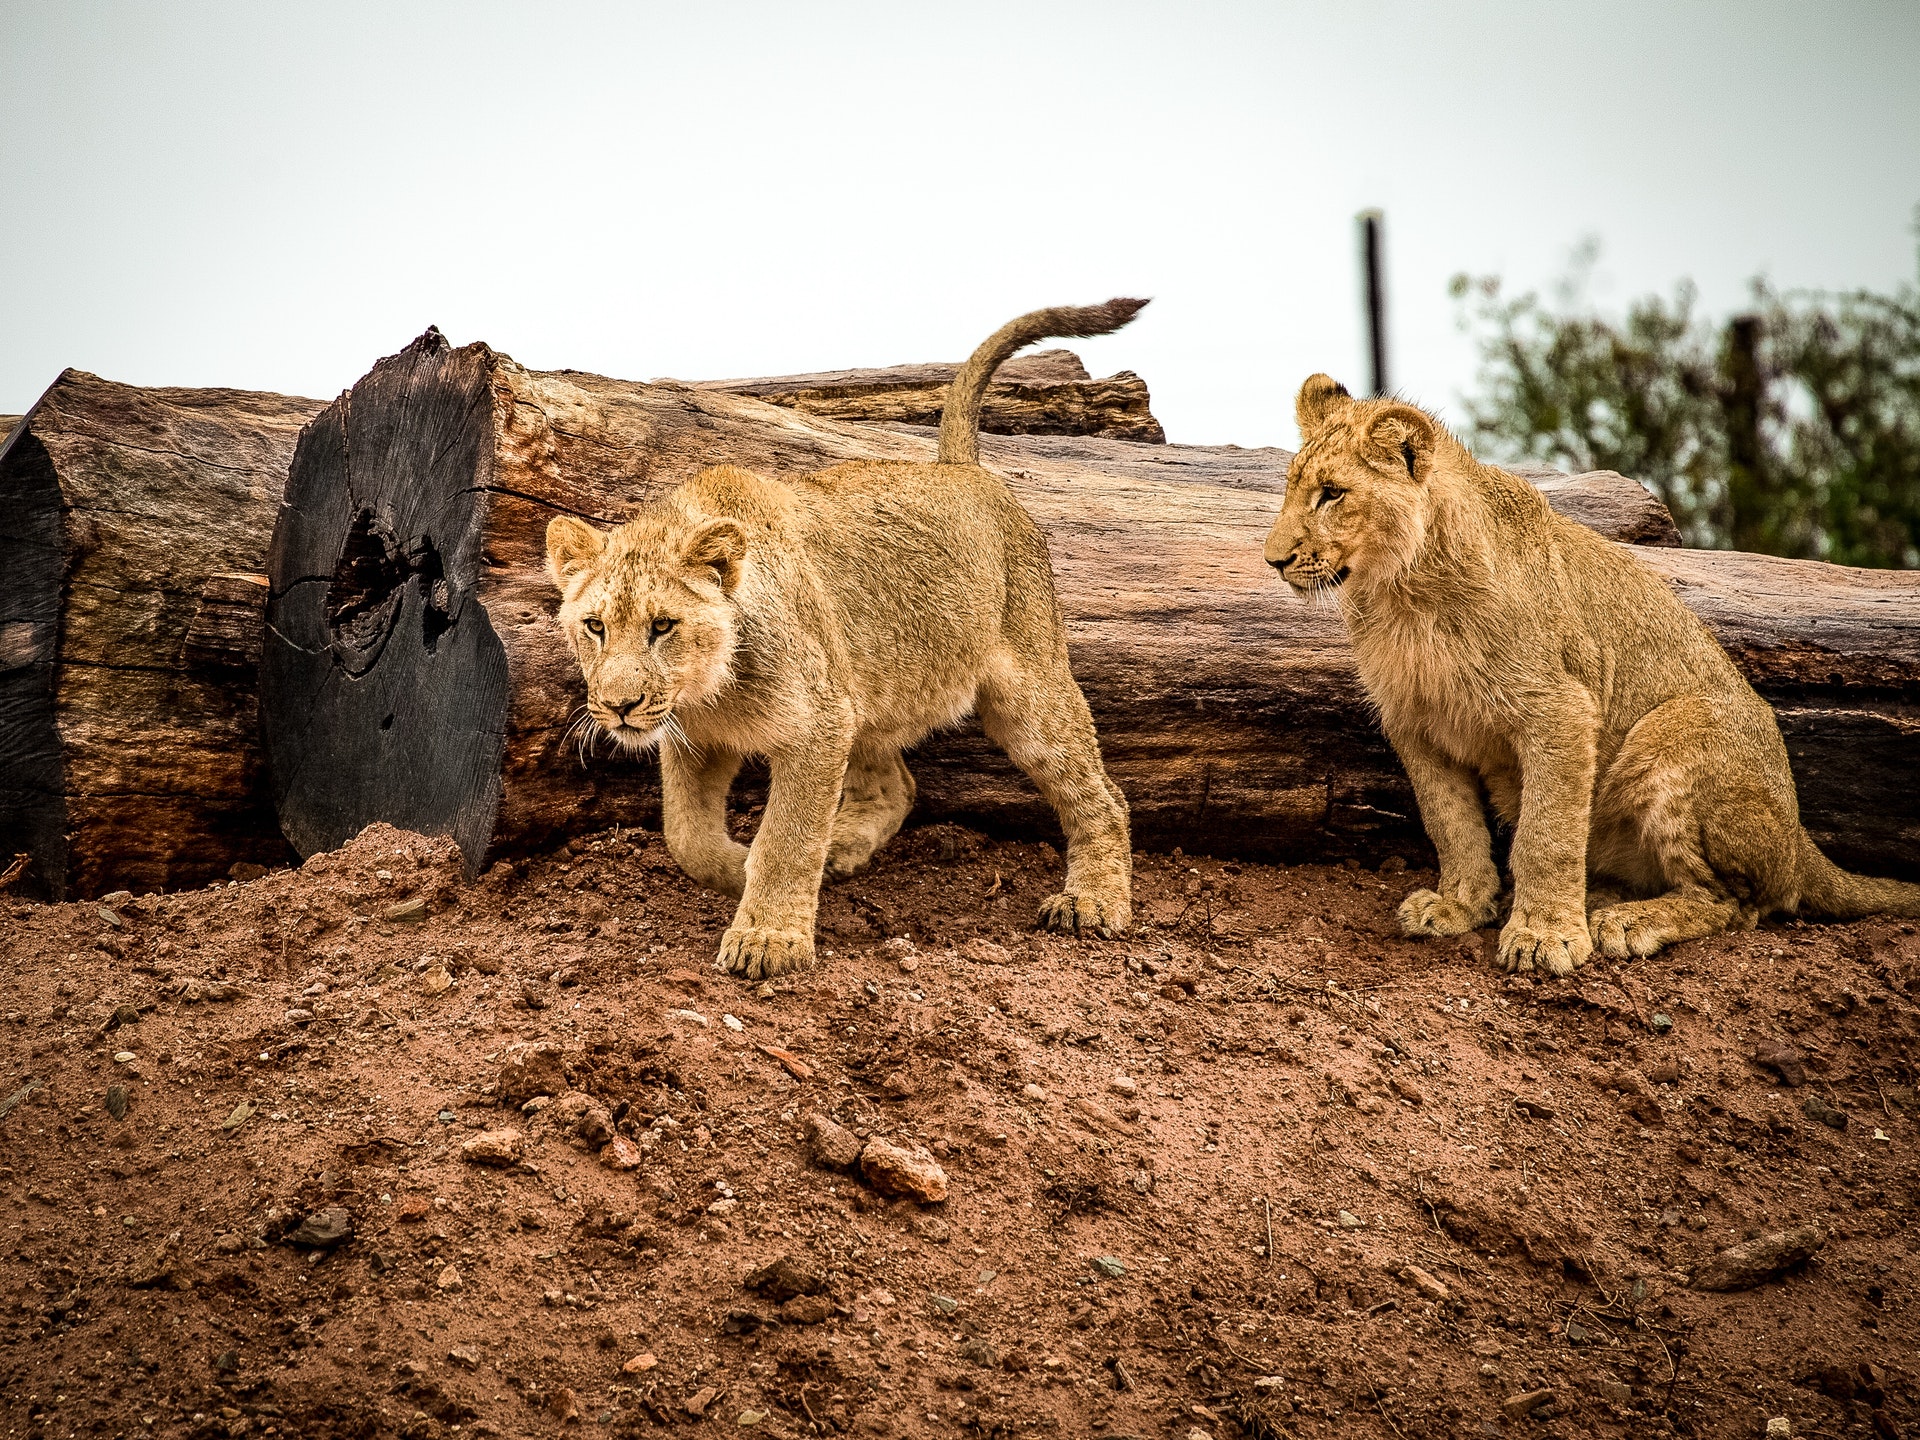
(1687, 801)
(874, 800)
(1036, 713)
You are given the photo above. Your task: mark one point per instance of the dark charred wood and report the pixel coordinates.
(1046, 393)
(412, 673)
(131, 522)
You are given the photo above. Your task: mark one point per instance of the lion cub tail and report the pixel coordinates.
(960, 423)
(1838, 894)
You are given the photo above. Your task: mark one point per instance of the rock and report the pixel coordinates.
(1406, 1090)
(464, 1357)
(945, 1304)
(412, 1209)
(1277, 1384)
(436, 981)
(747, 1419)
(1742, 1267)
(784, 1278)
(123, 1015)
(533, 996)
(299, 1015)
(406, 912)
(985, 952)
(640, 1363)
(586, 1116)
(1350, 1221)
(1664, 1072)
(530, 1070)
(621, 1153)
(933, 1228)
(980, 1351)
(1535, 1109)
(1779, 1428)
(897, 1085)
(1033, 1092)
(1427, 1284)
(323, 1229)
(1816, 1109)
(831, 1146)
(1616, 1392)
(1785, 1061)
(492, 1147)
(741, 1322)
(807, 1310)
(1111, 1268)
(1660, 1023)
(117, 1096)
(1370, 1105)
(1577, 1334)
(565, 1406)
(1124, 1085)
(227, 1361)
(449, 1278)
(894, 1171)
(697, 1403)
(156, 1267)
(1518, 1407)
(795, 1066)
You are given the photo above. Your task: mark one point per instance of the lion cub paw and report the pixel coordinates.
(1533, 943)
(1086, 915)
(849, 856)
(1624, 931)
(758, 954)
(1427, 912)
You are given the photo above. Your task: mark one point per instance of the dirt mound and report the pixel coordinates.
(364, 1149)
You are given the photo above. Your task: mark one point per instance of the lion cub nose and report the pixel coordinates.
(621, 707)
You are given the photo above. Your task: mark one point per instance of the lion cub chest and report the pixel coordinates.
(1432, 689)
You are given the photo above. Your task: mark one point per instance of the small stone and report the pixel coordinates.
(299, 1015)
(449, 1278)
(1779, 1428)
(492, 1147)
(1518, 1407)
(412, 1209)
(1108, 1266)
(642, 1362)
(1124, 1085)
(1661, 1023)
(324, 1228)
(1664, 1072)
(766, 990)
(1407, 1090)
(124, 1057)
(530, 1070)
(1577, 1334)
(117, 1101)
(694, 1015)
(1033, 1091)
(1616, 1392)
(894, 1171)
(1350, 1221)
(783, 1278)
(227, 1361)
(898, 1085)
(464, 1356)
(1818, 1109)
(725, 1205)
(1393, 865)
(985, 952)
(831, 1146)
(732, 1023)
(436, 981)
(1270, 1384)
(1785, 1061)
(933, 1228)
(1427, 1284)
(945, 1304)
(406, 912)
(980, 1351)
(696, 1405)
(750, 1418)
(621, 1153)
(807, 1310)
(1742, 1267)
(1370, 1105)
(741, 1322)
(565, 1406)
(241, 1114)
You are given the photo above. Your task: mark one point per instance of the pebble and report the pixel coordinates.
(1407, 1090)
(985, 952)
(641, 1362)
(1270, 1384)
(784, 1277)
(1108, 1266)
(492, 1147)
(1616, 1392)
(693, 1015)
(1427, 1284)
(831, 1146)
(750, 1418)
(894, 1171)
(766, 991)
(1124, 1085)
(1370, 1105)
(1779, 1428)
(436, 981)
(1518, 1407)
(449, 1278)
(697, 1403)
(981, 1351)
(1033, 1091)
(124, 1057)
(299, 1015)
(1818, 1109)
(732, 1023)
(241, 1114)
(324, 1228)
(565, 1405)
(945, 1304)
(1785, 1061)
(406, 912)
(530, 1070)
(1742, 1267)
(807, 1310)
(621, 1153)
(1349, 1221)
(463, 1356)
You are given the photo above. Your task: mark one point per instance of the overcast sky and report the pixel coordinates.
(273, 195)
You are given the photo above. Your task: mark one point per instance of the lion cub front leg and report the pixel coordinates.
(1548, 928)
(1469, 892)
(772, 931)
(693, 812)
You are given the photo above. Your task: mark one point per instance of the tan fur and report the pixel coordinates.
(826, 624)
(1515, 655)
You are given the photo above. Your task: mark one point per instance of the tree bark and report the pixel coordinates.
(412, 672)
(133, 530)
(1046, 393)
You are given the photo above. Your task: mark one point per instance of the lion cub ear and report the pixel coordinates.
(717, 545)
(1406, 434)
(572, 545)
(1321, 398)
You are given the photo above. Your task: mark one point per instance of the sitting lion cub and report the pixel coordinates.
(1511, 650)
(825, 623)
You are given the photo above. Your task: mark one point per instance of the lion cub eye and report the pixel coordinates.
(594, 627)
(662, 626)
(1327, 496)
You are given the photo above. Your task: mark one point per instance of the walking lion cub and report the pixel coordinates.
(1511, 650)
(826, 623)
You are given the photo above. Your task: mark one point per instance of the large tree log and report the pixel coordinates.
(1046, 393)
(133, 533)
(412, 672)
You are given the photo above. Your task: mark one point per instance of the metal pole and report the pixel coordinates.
(1372, 265)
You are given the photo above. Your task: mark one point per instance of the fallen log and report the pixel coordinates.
(133, 532)
(412, 672)
(1046, 393)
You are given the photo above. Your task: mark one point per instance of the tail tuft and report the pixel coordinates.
(960, 421)
(1835, 894)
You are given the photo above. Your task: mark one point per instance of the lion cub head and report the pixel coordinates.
(1359, 506)
(648, 610)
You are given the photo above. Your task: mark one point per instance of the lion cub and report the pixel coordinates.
(826, 623)
(1514, 652)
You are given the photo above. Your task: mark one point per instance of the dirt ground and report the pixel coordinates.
(1261, 1169)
